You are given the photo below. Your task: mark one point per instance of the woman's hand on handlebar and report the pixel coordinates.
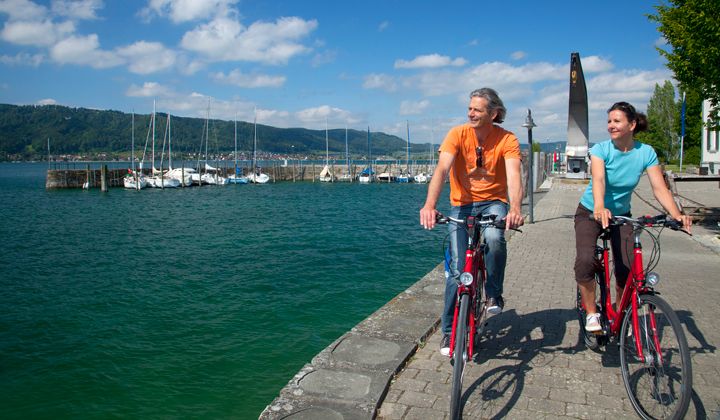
(428, 217)
(686, 222)
(602, 216)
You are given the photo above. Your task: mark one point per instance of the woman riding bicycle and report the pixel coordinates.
(616, 167)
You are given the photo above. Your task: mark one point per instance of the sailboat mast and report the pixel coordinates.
(347, 151)
(153, 139)
(132, 142)
(236, 143)
(254, 142)
(407, 156)
(327, 150)
(169, 144)
(207, 133)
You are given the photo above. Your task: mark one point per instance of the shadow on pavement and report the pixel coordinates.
(522, 342)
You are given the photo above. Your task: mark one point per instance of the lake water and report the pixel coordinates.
(196, 302)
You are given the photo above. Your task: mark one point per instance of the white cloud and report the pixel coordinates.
(22, 59)
(191, 67)
(47, 101)
(77, 9)
(595, 64)
(180, 11)
(380, 81)
(430, 61)
(625, 84)
(414, 107)
(238, 78)
(149, 90)
(147, 57)
(511, 80)
(518, 55)
(324, 57)
(36, 33)
(320, 114)
(225, 39)
(23, 10)
(383, 25)
(84, 51)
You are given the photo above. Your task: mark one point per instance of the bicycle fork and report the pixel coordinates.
(466, 290)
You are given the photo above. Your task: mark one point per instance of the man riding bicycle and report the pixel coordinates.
(483, 161)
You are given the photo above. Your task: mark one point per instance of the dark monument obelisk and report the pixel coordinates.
(576, 150)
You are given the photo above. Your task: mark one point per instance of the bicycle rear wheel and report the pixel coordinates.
(459, 357)
(660, 386)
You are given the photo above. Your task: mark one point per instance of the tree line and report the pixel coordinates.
(25, 130)
(692, 32)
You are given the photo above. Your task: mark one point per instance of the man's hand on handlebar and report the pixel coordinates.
(428, 217)
(514, 219)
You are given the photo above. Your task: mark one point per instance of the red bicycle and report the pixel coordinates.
(654, 354)
(469, 318)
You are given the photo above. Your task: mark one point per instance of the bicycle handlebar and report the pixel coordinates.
(487, 220)
(649, 221)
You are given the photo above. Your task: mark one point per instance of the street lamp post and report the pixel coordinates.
(529, 124)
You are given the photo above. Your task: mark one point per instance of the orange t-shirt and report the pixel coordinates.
(469, 183)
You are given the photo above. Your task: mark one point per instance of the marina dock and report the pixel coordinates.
(92, 176)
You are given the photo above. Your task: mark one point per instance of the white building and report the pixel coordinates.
(710, 146)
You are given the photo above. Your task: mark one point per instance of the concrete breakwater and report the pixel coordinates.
(278, 170)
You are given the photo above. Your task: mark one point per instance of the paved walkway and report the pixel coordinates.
(531, 365)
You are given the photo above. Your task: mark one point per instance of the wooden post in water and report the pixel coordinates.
(103, 178)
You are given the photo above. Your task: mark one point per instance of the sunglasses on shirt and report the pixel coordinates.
(479, 158)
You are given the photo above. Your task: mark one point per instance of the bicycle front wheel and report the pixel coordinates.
(659, 386)
(459, 357)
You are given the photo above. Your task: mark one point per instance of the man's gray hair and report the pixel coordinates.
(493, 100)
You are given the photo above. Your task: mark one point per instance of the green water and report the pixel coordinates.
(196, 302)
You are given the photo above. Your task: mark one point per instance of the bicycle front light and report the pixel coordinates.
(652, 278)
(466, 279)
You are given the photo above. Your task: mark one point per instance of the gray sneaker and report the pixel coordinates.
(495, 305)
(445, 345)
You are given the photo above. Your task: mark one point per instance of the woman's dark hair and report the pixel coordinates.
(641, 122)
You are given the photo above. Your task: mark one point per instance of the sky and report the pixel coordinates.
(385, 64)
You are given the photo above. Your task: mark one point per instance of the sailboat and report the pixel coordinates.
(422, 177)
(211, 175)
(367, 174)
(405, 176)
(182, 175)
(347, 176)
(237, 177)
(326, 174)
(256, 176)
(161, 180)
(157, 179)
(133, 179)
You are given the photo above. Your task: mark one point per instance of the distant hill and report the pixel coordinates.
(24, 131)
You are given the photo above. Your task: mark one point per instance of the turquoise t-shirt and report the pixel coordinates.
(622, 174)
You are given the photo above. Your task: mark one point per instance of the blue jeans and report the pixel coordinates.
(495, 255)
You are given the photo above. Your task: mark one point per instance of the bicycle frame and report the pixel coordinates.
(475, 265)
(635, 284)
